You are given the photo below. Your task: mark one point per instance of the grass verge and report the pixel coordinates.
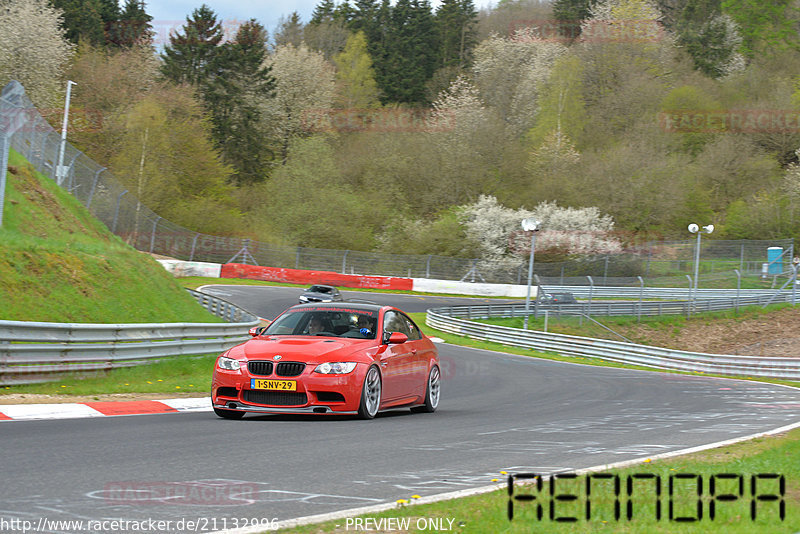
(489, 512)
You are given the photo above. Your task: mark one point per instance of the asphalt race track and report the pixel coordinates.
(498, 412)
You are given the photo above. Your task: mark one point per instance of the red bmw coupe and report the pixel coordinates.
(334, 358)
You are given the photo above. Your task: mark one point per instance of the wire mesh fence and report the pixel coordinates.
(120, 210)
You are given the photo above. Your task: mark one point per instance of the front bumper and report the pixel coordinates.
(239, 406)
(230, 390)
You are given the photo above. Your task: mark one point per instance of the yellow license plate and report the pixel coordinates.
(281, 385)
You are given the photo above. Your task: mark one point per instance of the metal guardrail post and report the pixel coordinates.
(344, 262)
(641, 298)
(194, 246)
(116, 213)
(688, 301)
(94, 186)
(153, 234)
(591, 291)
(738, 286)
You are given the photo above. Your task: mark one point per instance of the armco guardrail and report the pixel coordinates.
(445, 319)
(33, 352)
(665, 292)
(616, 308)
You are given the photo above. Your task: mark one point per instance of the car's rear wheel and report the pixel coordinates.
(228, 414)
(370, 394)
(432, 392)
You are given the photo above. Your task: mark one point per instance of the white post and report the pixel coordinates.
(532, 226)
(60, 170)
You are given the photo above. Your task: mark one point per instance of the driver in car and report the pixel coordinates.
(365, 324)
(315, 325)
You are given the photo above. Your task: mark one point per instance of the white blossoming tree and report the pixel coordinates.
(304, 87)
(496, 229)
(33, 49)
(508, 72)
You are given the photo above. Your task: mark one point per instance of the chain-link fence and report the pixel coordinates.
(119, 209)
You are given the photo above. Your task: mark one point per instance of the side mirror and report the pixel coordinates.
(396, 338)
(256, 330)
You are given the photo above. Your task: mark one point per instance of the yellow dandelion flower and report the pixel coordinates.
(177, 387)
(648, 460)
(416, 497)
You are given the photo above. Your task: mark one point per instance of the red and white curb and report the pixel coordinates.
(27, 412)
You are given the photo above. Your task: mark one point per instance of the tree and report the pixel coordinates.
(466, 138)
(509, 72)
(187, 55)
(456, 24)
(709, 36)
(355, 76)
(768, 24)
(571, 230)
(109, 82)
(237, 82)
(165, 155)
(289, 31)
(133, 28)
(323, 12)
(82, 20)
(561, 106)
(304, 84)
(328, 36)
(411, 51)
(34, 49)
(316, 208)
(569, 14)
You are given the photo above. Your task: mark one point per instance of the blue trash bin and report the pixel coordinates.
(775, 261)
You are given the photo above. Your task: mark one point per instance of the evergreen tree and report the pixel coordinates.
(187, 55)
(236, 83)
(133, 27)
(323, 12)
(570, 13)
(344, 12)
(411, 52)
(82, 20)
(289, 31)
(456, 26)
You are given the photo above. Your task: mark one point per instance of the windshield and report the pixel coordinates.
(325, 321)
(320, 289)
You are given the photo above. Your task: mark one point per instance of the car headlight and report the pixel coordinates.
(335, 368)
(229, 364)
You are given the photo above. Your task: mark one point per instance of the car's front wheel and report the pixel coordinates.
(370, 394)
(432, 392)
(228, 414)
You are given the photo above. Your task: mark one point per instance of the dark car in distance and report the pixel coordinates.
(320, 293)
(560, 298)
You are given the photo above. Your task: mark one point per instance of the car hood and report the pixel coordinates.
(304, 349)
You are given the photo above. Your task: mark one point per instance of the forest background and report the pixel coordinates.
(397, 127)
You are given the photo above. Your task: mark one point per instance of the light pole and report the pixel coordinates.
(60, 171)
(695, 229)
(532, 226)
